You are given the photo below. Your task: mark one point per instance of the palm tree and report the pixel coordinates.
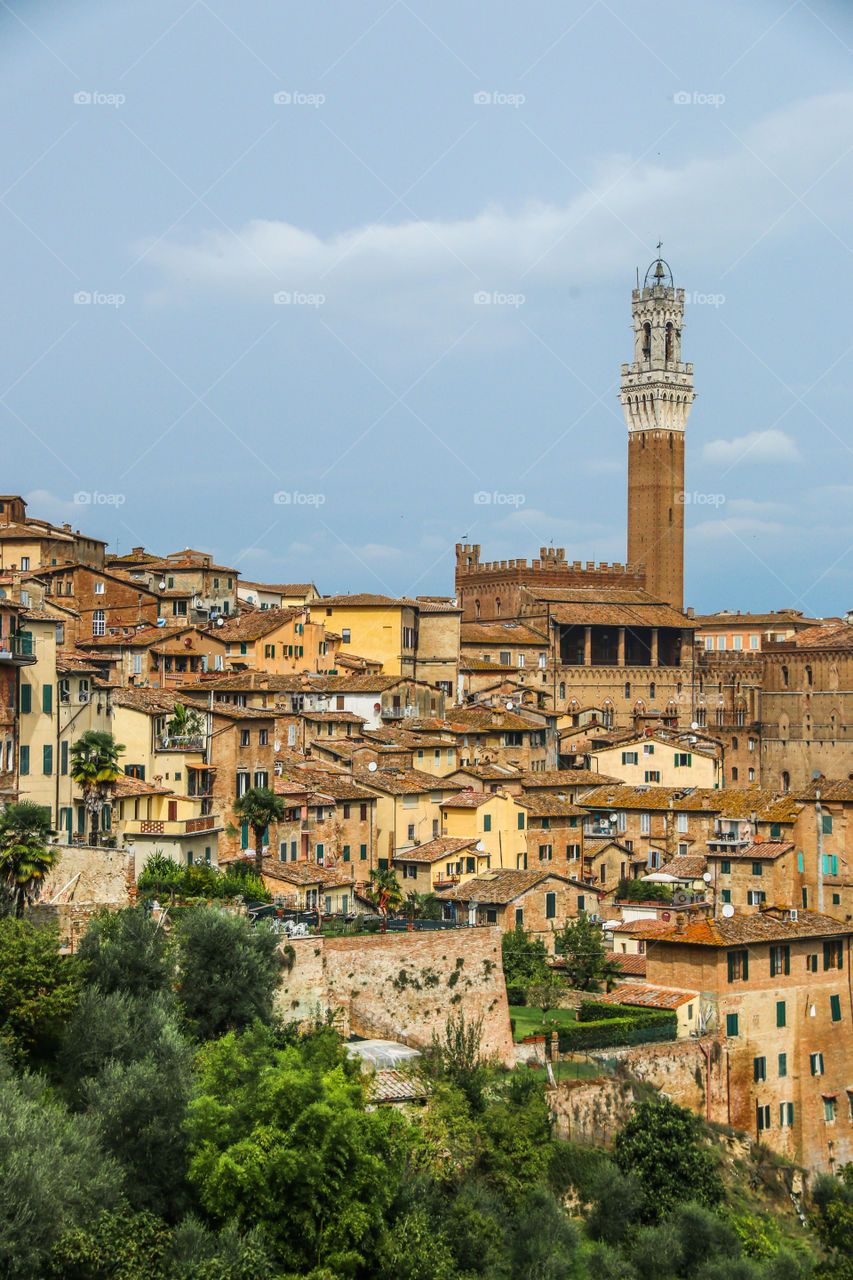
(95, 768)
(385, 893)
(260, 807)
(25, 856)
(423, 906)
(185, 722)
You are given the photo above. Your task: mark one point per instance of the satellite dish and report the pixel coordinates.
(277, 746)
(372, 767)
(162, 584)
(509, 706)
(613, 817)
(728, 910)
(220, 622)
(480, 846)
(695, 724)
(815, 774)
(707, 877)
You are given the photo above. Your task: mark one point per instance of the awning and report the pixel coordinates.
(662, 877)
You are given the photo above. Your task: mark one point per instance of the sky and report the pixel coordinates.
(324, 289)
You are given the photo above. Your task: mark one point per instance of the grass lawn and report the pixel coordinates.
(528, 1021)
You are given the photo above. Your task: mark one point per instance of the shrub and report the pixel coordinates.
(619, 1025)
(516, 995)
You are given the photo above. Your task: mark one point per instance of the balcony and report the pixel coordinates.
(179, 742)
(177, 828)
(729, 839)
(17, 650)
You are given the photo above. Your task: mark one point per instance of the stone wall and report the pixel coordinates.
(106, 876)
(402, 986)
(71, 919)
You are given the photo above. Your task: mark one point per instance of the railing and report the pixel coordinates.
(179, 742)
(16, 647)
(206, 823)
(175, 827)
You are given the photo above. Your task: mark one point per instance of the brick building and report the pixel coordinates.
(539, 900)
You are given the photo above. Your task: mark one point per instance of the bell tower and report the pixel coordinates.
(657, 392)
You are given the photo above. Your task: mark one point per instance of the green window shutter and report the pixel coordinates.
(787, 954)
(835, 1008)
(107, 817)
(26, 699)
(780, 1013)
(487, 822)
(550, 906)
(346, 853)
(725, 867)
(827, 824)
(732, 965)
(783, 1064)
(81, 820)
(63, 757)
(772, 962)
(244, 835)
(835, 864)
(25, 761)
(383, 864)
(47, 758)
(301, 651)
(731, 1024)
(800, 862)
(362, 852)
(47, 699)
(521, 822)
(726, 895)
(826, 955)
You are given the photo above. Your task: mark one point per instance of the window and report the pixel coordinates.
(25, 564)
(346, 853)
(781, 1019)
(726, 895)
(830, 1106)
(753, 642)
(759, 1069)
(345, 635)
(47, 761)
(629, 757)
(99, 622)
(24, 766)
(26, 698)
(786, 1114)
(762, 1116)
(652, 775)
(362, 812)
(245, 737)
(545, 852)
(263, 737)
(550, 906)
(269, 650)
(63, 758)
(833, 955)
(645, 824)
(573, 852)
(830, 864)
(362, 852)
(681, 823)
(411, 832)
(262, 778)
(487, 822)
(783, 1065)
(811, 963)
(757, 869)
(835, 1008)
(780, 960)
(242, 783)
(816, 1064)
(521, 659)
(731, 1024)
(725, 867)
(99, 588)
(826, 824)
(737, 642)
(738, 962)
(683, 760)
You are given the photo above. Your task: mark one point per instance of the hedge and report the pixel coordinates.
(516, 994)
(599, 1026)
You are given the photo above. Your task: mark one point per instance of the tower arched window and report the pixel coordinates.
(477, 608)
(668, 346)
(647, 340)
(785, 677)
(786, 780)
(498, 607)
(627, 688)
(562, 689)
(809, 680)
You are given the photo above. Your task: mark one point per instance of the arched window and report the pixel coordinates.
(701, 717)
(562, 688)
(498, 607)
(668, 346)
(652, 689)
(785, 677)
(647, 340)
(608, 712)
(734, 744)
(809, 676)
(627, 688)
(786, 780)
(476, 608)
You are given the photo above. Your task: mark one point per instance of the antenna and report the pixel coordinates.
(728, 910)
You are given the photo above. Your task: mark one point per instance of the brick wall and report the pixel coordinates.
(402, 986)
(106, 876)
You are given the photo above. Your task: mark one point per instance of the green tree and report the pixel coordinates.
(261, 808)
(525, 959)
(545, 993)
(384, 892)
(643, 891)
(185, 722)
(95, 769)
(423, 906)
(228, 970)
(457, 1058)
(38, 990)
(161, 874)
(25, 855)
(661, 1144)
(586, 962)
(281, 1141)
(126, 951)
(54, 1174)
(833, 1222)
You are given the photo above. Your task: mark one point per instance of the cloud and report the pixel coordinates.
(756, 447)
(405, 271)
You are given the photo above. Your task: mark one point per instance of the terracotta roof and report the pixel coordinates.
(473, 720)
(765, 926)
(280, 588)
(837, 635)
(467, 800)
(152, 701)
(647, 997)
(497, 633)
(567, 778)
(401, 782)
(125, 787)
(644, 926)
(741, 803)
(545, 804)
(687, 866)
(492, 772)
(632, 966)
(289, 790)
(434, 851)
(582, 607)
(763, 851)
(594, 845)
(296, 873)
(339, 786)
(364, 600)
(782, 619)
(497, 887)
(71, 664)
(483, 664)
(388, 1085)
(831, 789)
(250, 626)
(345, 717)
